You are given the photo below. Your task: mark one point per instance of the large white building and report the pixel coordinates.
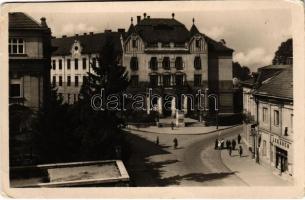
(268, 109)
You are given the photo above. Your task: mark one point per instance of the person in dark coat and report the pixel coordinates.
(233, 144)
(172, 125)
(230, 151)
(222, 144)
(227, 144)
(175, 143)
(240, 151)
(238, 138)
(216, 144)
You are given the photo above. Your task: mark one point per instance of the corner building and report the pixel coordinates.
(162, 54)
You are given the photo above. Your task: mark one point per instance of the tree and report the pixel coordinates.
(99, 131)
(241, 72)
(284, 53)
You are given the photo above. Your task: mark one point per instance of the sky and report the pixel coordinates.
(254, 34)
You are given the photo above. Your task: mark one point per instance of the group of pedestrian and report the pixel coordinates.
(175, 142)
(230, 145)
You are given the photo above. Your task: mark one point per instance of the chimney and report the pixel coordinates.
(121, 30)
(138, 19)
(91, 33)
(64, 36)
(144, 14)
(85, 33)
(148, 17)
(76, 35)
(108, 30)
(43, 22)
(173, 15)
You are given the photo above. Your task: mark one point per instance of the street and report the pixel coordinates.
(193, 163)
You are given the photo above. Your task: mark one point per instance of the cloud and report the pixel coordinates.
(253, 58)
(215, 32)
(71, 29)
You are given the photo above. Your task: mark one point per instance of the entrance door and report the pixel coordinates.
(281, 161)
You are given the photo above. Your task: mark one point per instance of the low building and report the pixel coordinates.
(269, 118)
(29, 60)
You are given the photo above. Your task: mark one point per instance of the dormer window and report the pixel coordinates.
(16, 46)
(134, 43)
(198, 44)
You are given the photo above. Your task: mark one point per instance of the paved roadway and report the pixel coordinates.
(194, 163)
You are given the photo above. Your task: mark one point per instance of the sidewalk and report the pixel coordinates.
(179, 130)
(249, 171)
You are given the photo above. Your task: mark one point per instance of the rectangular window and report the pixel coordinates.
(179, 80)
(68, 80)
(84, 63)
(76, 81)
(54, 81)
(76, 63)
(265, 112)
(166, 80)
(276, 120)
(60, 64)
(264, 148)
(60, 81)
(16, 46)
(54, 64)
(84, 79)
(166, 63)
(93, 62)
(68, 64)
(197, 80)
(134, 43)
(154, 80)
(15, 90)
(134, 80)
(198, 43)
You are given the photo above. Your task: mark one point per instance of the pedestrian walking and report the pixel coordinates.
(227, 144)
(240, 151)
(157, 140)
(216, 144)
(219, 144)
(238, 138)
(175, 143)
(172, 125)
(230, 151)
(222, 144)
(233, 144)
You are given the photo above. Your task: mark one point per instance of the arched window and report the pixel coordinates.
(134, 64)
(166, 63)
(197, 62)
(179, 63)
(153, 63)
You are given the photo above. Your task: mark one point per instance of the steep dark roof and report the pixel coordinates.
(279, 86)
(90, 43)
(166, 30)
(19, 20)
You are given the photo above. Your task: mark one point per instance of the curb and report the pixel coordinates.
(133, 129)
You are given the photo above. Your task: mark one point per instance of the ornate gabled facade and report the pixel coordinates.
(162, 54)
